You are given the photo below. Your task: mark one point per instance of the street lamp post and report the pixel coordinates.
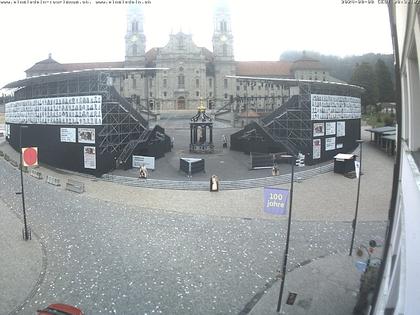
(353, 225)
(25, 233)
(286, 251)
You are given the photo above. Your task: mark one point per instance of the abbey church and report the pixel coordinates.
(186, 74)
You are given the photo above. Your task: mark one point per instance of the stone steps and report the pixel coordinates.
(224, 185)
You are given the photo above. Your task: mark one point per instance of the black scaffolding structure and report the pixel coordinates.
(123, 129)
(289, 128)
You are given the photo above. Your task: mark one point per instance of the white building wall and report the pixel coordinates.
(400, 288)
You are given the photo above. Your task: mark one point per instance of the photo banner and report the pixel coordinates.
(275, 200)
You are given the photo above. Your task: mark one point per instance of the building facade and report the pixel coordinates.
(399, 289)
(189, 74)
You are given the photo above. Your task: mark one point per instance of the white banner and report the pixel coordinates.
(73, 110)
(330, 128)
(341, 128)
(68, 134)
(329, 144)
(147, 161)
(316, 149)
(86, 135)
(332, 107)
(89, 154)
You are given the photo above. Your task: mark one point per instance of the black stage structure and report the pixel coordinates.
(80, 122)
(320, 120)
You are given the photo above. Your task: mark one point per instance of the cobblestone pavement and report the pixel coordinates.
(110, 258)
(127, 250)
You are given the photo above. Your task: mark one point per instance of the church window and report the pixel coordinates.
(181, 82)
(134, 82)
(225, 83)
(181, 69)
(223, 27)
(210, 83)
(165, 83)
(224, 50)
(134, 26)
(151, 94)
(197, 93)
(134, 48)
(181, 42)
(197, 83)
(165, 94)
(226, 96)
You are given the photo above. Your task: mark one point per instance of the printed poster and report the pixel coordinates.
(318, 129)
(68, 134)
(330, 128)
(86, 135)
(89, 154)
(316, 149)
(275, 200)
(329, 144)
(341, 128)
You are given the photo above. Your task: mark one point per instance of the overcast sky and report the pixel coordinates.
(262, 30)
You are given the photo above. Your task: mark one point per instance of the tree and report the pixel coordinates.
(364, 76)
(385, 86)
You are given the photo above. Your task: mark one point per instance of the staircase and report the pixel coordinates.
(128, 107)
(131, 145)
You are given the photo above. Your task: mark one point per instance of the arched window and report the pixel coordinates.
(181, 81)
(134, 49)
(223, 26)
(134, 26)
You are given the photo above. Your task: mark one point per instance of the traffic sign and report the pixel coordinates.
(30, 156)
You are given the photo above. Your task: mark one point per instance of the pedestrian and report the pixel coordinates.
(143, 172)
(224, 140)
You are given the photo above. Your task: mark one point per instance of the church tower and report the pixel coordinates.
(222, 34)
(224, 61)
(135, 41)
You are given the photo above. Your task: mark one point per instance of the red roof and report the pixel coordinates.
(92, 65)
(263, 68)
(307, 63)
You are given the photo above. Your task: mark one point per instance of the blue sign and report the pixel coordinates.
(275, 200)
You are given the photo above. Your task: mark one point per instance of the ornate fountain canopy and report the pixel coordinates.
(201, 115)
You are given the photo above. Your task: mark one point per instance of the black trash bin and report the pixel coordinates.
(344, 163)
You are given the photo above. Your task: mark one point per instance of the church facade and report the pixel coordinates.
(188, 74)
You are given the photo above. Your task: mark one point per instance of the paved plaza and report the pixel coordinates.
(127, 250)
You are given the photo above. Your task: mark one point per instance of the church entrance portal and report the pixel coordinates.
(180, 103)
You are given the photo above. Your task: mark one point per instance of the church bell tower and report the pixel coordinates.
(135, 40)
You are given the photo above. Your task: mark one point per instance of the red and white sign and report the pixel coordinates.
(30, 156)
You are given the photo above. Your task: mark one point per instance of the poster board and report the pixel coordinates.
(329, 144)
(316, 149)
(318, 129)
(86, 135)
(147, 161)
(89, 154)
(341, 128)
(67, 134)
(330, 128)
